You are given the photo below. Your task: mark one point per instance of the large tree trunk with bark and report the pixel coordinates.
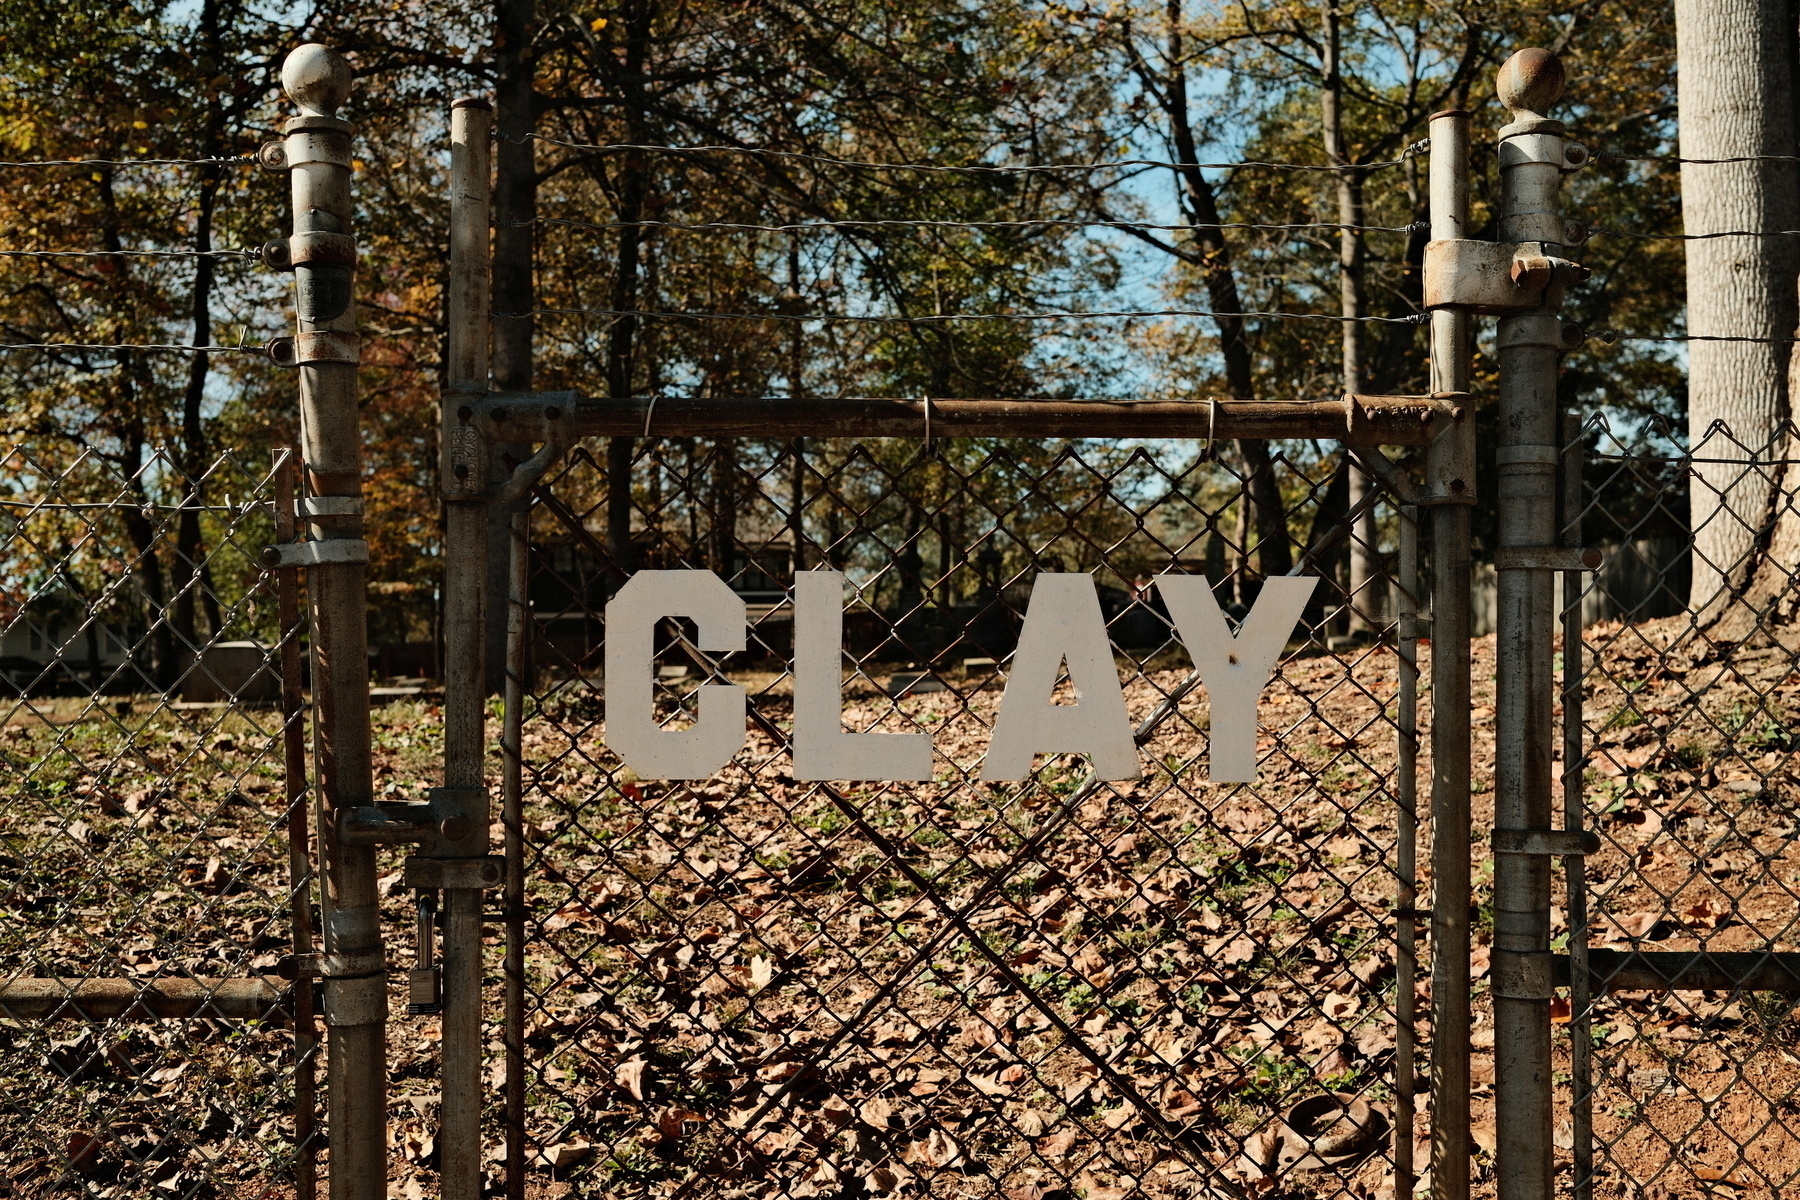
(1736, 100)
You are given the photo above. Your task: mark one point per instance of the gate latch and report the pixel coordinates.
(1553, 843)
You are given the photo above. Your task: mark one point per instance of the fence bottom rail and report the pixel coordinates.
(253, 997)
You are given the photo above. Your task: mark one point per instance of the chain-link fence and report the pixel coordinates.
(757, 986)
(149, 790)
(1686, 770)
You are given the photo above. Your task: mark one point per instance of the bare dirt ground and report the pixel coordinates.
(761, 988)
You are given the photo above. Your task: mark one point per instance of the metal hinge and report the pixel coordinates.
(1547, 558)
(1556, 843)
(313, 554)
(423, 872)
(328, 506)
(315, 346)
(1497, 278)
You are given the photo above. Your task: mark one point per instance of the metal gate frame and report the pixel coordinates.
(477, 421)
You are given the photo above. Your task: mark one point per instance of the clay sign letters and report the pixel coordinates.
(1063, 625)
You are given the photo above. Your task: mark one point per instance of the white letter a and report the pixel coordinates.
(1063, 622)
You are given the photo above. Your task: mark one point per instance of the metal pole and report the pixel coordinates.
(1450, 490)
(1581, 1044)
(512, 818)
(465, 483)
(1532, 155)
(1406, 879)
(317, 152)
(299, 831)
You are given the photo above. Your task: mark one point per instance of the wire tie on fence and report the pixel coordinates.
(1212, 422)
(928, 426)
(650, 412)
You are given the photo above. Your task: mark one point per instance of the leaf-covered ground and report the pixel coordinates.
(765, 988)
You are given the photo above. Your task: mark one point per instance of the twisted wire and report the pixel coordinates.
(1610, 337)
(168, 347)
(942, 318)
(1611, 156)
(1695, 237)
(1051, 223)
(935, 168)
(130, 162)
(130, 254)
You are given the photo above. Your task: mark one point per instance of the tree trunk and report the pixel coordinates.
(1274, 554)
(1736, 99)
(633, 185)
(1365, 569)
(515, 234)
(188, 580)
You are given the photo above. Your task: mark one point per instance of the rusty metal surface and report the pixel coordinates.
(97, 999)
(1372, 420)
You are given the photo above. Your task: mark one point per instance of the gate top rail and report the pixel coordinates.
(1354, 419)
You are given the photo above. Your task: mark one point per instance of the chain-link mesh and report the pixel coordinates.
(755, 986)
(143, 822)
(1687, 714)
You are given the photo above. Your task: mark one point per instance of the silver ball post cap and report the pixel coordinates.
(317, 78)
(1531, 82)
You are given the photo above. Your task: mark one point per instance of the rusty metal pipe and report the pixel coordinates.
(1450, 490)
(317, 153)
(1360, 420)
(1406, 883)
(512, 818)
(465, 463)
(1581, 1042)
(1532, 155)
(144, 999)
(299, 834)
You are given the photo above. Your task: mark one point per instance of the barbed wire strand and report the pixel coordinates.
(1055, 223)
(1695, 237)
(1033, 168)
(128, 162)
(1609, 337)
(1611, 156)
(942, 318)
(156, 346)
(252, 254)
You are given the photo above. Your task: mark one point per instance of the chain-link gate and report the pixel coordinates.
(150, 746)
(1680, 757)
(760, 986)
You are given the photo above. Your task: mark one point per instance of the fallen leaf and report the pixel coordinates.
(876, 1112)
(1057, 1145)
(1735, 1179)
(567, 1154)
(630, 1076)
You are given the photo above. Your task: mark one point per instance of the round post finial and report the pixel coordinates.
(317, 79)
(1530, 83)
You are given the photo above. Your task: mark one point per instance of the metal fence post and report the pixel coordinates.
(1581, 1044)
(1406, 851)
(299, 831)
(1533, 156)
(1450, 490)
(465, 484)
(317, 154)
